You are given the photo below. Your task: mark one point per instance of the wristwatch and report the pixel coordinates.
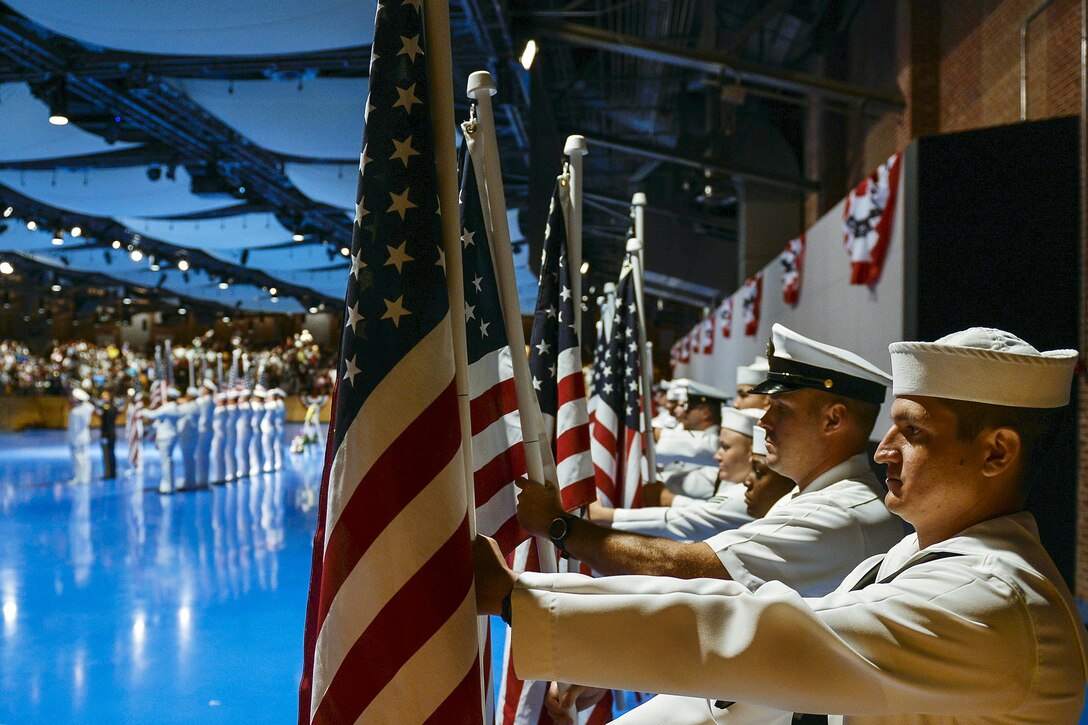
(559, 530)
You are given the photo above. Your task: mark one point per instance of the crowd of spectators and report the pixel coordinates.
(298, 366)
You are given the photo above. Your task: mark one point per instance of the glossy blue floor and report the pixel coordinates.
(124, 606)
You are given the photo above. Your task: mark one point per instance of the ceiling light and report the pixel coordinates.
(275, 299)
(6, 268)
(58, 108)
(183, 265)
(136, 255)
(224, 284)
(313, 310)
(32, 225)
(182, 311)
(58, 238)
(345, 251)
(272, 291)
(226, 319)
(116, 244)
(56, 288)
(585, 266)
(298, 236)
(155, 267)
(126, 301)
(76, 232)
(8, 212)
(528, 55)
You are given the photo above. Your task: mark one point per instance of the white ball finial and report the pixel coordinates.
(633, 245)
(639, 199)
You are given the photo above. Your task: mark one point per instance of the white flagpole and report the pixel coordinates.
(575, 148)
(608, 311)
(483, 148)
(634, 248)
(638, 202)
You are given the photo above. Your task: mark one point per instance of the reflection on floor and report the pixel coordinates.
(121, 605)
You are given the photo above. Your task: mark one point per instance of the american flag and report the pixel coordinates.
(391, 622)
(498, 453)
(555, 360)
(707, 333)
(134, 429)
(617, 459)
(158, 383)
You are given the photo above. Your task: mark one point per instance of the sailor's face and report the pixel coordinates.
(734, 450)
(792, 423)
(746, 399)
(932, 473)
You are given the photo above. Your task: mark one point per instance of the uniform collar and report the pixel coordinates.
(853, 467)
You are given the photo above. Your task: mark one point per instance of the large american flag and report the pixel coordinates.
(555, 361)
(498, 453)
(391, 623)
(617, 435)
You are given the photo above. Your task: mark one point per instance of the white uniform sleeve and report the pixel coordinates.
(812, 545)
(939, 639)
(696, 522)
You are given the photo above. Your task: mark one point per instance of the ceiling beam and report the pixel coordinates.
(717, 64)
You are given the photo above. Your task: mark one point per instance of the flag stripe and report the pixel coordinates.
(461, 699)
(499, 400)
(408, 464)
(443, 582)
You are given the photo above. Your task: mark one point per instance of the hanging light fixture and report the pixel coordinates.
(58, 109)
(9, 211)
(116, 244)
(76, 231)
(31, 225)
(136, 255)
(183, 265)
(6, 268)
(58, 238)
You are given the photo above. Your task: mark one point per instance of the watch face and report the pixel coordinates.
(557, 529)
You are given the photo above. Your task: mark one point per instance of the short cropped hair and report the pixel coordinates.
(1037, 427)
(714, 410)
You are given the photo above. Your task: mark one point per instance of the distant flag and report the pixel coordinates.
(752, 301)
(867, 224)
(391, 632)
(555, 360)
(134, 429)
(707, 333)
(498, 454)
(159, 383)
(725, 316)
(793, 262)
(617, 458)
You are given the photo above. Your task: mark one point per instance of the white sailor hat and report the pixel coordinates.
(678, 390)
(192, 392)
(232, 394)
(759, 441)
(80, 394)
(172, 393)
(984, 365)
(753, 374)
(210, 385)
(260, 392)
(741, 421)
(797, 362)
(702, 394)
(278, 392)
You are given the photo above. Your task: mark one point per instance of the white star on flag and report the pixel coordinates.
(467, 238)
(399, 203)
(357, 264)
(403, 150)
(483, 328)
(536, 384)
(394, 310)
(470, 312)
(543, 347)
(410, 47)
(477, 283)
(351, 370)
(407, 98)
(397, 257)
(565, 294)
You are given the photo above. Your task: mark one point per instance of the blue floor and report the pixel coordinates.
(123, 606)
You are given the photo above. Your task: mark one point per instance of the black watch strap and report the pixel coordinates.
(504, 608)
(560, 541)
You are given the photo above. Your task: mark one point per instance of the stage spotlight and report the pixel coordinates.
(272, 291)
(76, 232)
(313, 310)
(224, 284)
(56, 288)
(183, 265)
(154, 265)
(182, 311)
(154, 173)
(345, 251)
(275, 298)
(32, 225)
(9, 211)
(6, 268)
(116, 244)
(136, 255)
(58, 238)
(298, 236)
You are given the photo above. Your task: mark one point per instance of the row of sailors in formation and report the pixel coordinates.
(222, 436)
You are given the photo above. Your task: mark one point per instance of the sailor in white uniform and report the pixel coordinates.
(165, 418)
(279, 422)
(216, 472)
(206, 406)
(268, 432)
(188, 422)
(79, 436)
(230, 436)
(244, 431)
(966, 621)
(685, 456)
(256, 415)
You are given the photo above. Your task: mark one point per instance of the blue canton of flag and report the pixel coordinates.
(391, 621)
